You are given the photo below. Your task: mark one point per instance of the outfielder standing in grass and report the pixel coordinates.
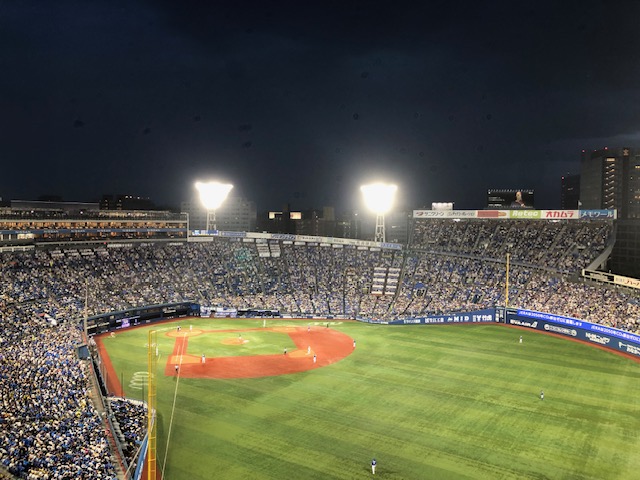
(373, 466)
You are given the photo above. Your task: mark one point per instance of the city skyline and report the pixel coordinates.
(301, 104)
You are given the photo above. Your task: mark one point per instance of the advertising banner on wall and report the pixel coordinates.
(559, 214)
(518, 214)
(445, 213)
(478, 316)
(604, 214)
(609, 337)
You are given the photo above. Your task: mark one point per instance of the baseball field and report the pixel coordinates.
(427, 402)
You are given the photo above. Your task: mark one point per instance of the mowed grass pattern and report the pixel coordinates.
(428, 402)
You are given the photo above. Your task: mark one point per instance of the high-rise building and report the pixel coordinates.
(610, 178)
(625, 258)
(348, 225)
(570, 192)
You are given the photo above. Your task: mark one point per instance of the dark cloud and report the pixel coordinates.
(446, 98)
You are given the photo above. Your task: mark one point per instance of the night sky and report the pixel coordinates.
(301, 102)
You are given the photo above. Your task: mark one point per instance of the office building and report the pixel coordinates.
(625, 257)
(610, 179)
(569, 192)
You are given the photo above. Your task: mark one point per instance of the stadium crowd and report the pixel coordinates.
(564, 247)
(129, 420)
(50, 429)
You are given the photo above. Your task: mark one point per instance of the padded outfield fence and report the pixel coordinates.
(593, 333)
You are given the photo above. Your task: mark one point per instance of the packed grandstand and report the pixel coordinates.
(52, 427)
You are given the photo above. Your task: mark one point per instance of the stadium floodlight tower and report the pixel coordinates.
(212, 195)
(379, 199)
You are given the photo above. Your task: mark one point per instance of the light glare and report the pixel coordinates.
(212, 194)
(379, 196)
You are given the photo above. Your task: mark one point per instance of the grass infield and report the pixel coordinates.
(428, 402)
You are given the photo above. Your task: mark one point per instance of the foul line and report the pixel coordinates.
(173, 409)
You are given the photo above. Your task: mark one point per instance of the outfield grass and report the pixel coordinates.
(428, 402)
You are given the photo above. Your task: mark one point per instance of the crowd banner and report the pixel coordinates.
(603, 335)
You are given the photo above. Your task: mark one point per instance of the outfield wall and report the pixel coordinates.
(488, 315)
(601, 335)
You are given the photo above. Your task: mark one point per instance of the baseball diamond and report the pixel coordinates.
(329, 346)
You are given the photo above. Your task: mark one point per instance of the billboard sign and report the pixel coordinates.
(510, 198)
(525, 214)
(598, 214)
(560, 214)
(445, 213)
(493, 214)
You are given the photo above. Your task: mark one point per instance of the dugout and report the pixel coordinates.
(108, 322)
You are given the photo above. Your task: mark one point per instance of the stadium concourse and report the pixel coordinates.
(49, 426)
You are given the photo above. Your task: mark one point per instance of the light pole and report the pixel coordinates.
(212, 195)
(379, 199)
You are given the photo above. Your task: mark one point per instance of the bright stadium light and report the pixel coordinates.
(379, 199)
(212, 195)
